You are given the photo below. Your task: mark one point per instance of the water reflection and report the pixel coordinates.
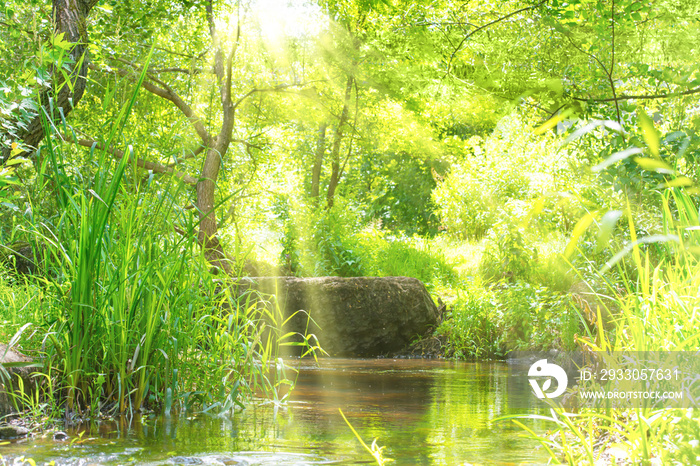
(423, 411)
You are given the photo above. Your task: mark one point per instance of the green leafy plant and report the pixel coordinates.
(469, 328)
(508, 255)
(134, 319)
(336, 252)
(396, 255)
(654, 294)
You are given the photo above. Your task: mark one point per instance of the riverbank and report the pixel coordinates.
(652, 298)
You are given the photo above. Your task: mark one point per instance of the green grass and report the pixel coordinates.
(385, 255)
(123, 312)
(656, 309)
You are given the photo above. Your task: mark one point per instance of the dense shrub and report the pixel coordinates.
(389, 255)
(397, 190)
(509, 253)
(469, 330)
(333, 250)
(469, 197)
(488, 322)
(534, 318)
(289, 261)
(510, 164)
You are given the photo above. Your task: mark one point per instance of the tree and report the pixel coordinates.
(214, 131)
(587, 56)
(64, 88)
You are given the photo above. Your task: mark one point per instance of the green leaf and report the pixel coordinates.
(579, 230)
(681, 181)
(653, 165)
(60, 43)
(611, 125)
(651, 137)
(631, 246)
(616, 157)
(552, 122)
(607, 225)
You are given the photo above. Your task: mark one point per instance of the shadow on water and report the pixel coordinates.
(422, 411)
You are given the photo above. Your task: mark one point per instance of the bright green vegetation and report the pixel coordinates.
(534, 163)
(124, 308)
(656, 310)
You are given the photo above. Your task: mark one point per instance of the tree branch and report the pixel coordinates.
(167, 93)
(175, 70)
(191, 155)
(218, 54)
(612, 61)
(279, 88)
(491, 23)
(638, 97)
(608, 73)
(118, 154)
(158, 70)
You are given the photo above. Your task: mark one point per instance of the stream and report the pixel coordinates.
(422, 411)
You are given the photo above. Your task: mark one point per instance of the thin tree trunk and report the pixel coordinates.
(208, 228)
(337, 139)
(71, 18)
(318, 161)
(206, 188)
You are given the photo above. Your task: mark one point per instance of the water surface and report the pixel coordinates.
(422, 411)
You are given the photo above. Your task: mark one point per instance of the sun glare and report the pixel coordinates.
(280, 19)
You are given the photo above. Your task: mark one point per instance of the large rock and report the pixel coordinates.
(15, 366)
(19, 258)
(365, 316)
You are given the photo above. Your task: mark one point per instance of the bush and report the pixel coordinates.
(508, 255)
(387, 255)
(490, 322)
(469, 330)
(510, 164)
(534, 318)
(469, 197)
(396, 188)
(289, 260)
(333, 247)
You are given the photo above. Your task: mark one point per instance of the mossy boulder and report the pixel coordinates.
(19, 258)
(15, 366)
(11, 431)
(359, 316)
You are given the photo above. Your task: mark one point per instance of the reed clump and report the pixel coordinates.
(127, 315)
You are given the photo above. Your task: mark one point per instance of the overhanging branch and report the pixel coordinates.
(280, 88)
(490, 23)
(118, 154)
(167, 93)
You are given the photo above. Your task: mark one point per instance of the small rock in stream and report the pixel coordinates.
(60, 436)
(11, 431)
(185, 460)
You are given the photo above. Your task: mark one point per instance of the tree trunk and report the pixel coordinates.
(318, 161)
(71, 18)
(337, 139)
(208, 227)
(206, 187)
